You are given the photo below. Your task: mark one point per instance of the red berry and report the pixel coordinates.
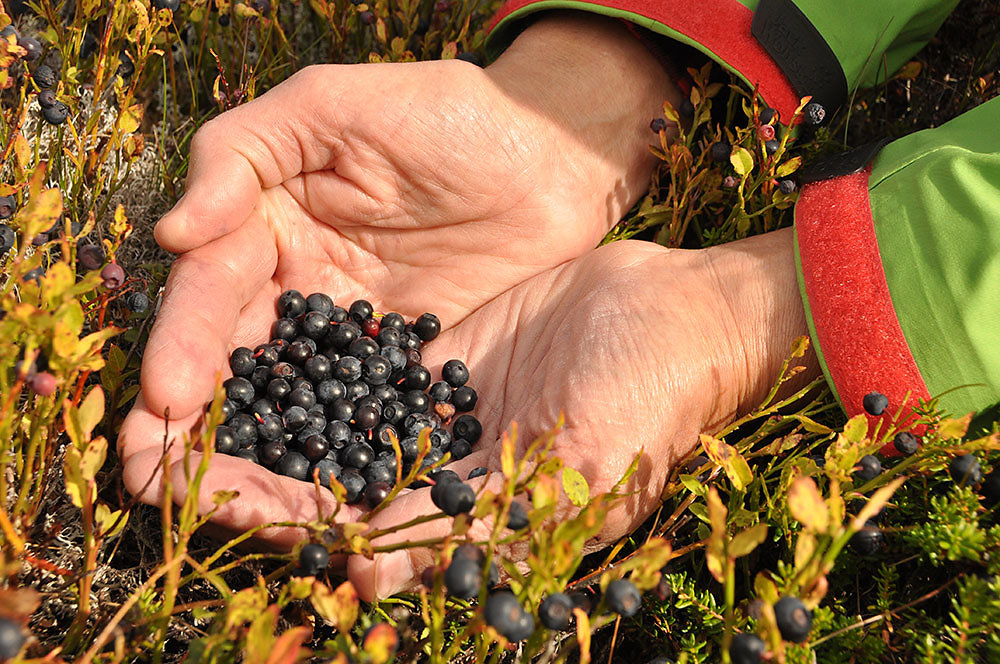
(42, 383)
(766, 132)
(371, 327)
(113, 276)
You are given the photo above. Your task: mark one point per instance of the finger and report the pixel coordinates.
(205, 293)
(396, 571)
(248, 149)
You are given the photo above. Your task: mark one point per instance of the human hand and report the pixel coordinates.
(423, 187)
(641, 347)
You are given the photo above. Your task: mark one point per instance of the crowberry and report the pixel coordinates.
(555, 611)
(965, 470)
(313, 559)
(793, 618)
(875, 403)
(623, 597)
(869, 467)
(868, 541)
(905, 443)
(463, 578)
(746, 649)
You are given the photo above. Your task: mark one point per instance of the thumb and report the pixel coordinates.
(245, 151)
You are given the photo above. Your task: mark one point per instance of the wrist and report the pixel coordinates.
(763, 313)
(593, 88)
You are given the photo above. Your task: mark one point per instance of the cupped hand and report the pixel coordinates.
(431, 186)
(642, 348)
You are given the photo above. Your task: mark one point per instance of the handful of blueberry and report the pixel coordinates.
(332, 388)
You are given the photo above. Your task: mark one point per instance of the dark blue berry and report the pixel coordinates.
(464, 399)
(416, 401)
(347, 369)
(965, 470)
(270, 427)
(875, 403)
(363, 348)
(481, 471)
(361, 310)
(388, 338)
(326, 468)
(11, 639)
(321, 303)
(556, 611)
(375, 370)
(56, 114)
(284, 328)
(239, 390)
(272, 452)
(869, 541)
(394, 412)
(315, 447)
(427, 327)
(518, 517)
(720, 151)
(242, 362)
(313, 559)
(467, 427)
(293, 465)
(440, 392)
(460, 448)
(344, 334)
(353, 483)
(455, 373)
(623, 597)
(125, 65)
(772, 146)
(746, 649)
(250, 454)
(356, 390)
(463, 578)
(906, 443)
(813, 113)
(358, 455)
(793, 618)
(295, 418)
(378, 471)
(44, 77)
(302, 397)
(375, 493)
(869, 468)
(768, 116)
(225, 441)
(786, 186)
(291, 304)
(7, 238)
(366, 417)
(506, 615)
(656, 125)
(315, 325)
(340, 409)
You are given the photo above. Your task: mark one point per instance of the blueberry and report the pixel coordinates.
(44, 77)
(656, 125)
(270, 427)
(358, 455)
(293, 465)
(378, 472)
(272, 452)
(315, 325)
(394, 412)
(385, 393)
(771, 146)
(344, 334)
(746, 649)
(138, 303)
(375, 370)
(353, 483)
(416, 401)
(786, 186)
(388, 337)
(295, 418)
(367, 17)
(793, 618)
(556, 611)
(337, 432)
(720, 151)
(410, 448)
(266, 355)
(463, 578)
(56, 114)
(225, 440)
(42, 383)
(464, 399)
(506, 615)
(33, 275)
(113, 276)
(518, 517)
(291, 304)
(298, 353)
(481, 471)
(870, 468)
(302, 397)
(686, 108)
(340, 409)
(326, 468)
(315, 447)
(357, 390)
(375, 493)
(813, 113)
(905, 443)
(228, 409)
(875, 403)
(242, 362)
(7, 238)
(416, 378)
(455, 373)
(366, 418)
(11, 639)
(313, 559)
(360, 310)
(869, 541)
(369, 401)
(32, 46)
(427, 327)
(329, 391)
(440, 392)
(413, 356)
(7, 207)
(460, 449)
(467, 427)
(321, 303)
(250, 454)
(623, 597)
(347, 369)
(395, 356)
(239, 390)
(965, 470)
(441, 439)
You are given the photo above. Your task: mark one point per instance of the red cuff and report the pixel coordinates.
(721, 28)
(855, 323)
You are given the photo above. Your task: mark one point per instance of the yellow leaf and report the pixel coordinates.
(765, 588)
(545, 492)
(76, 486)
(507, 455)
(748, 540)
(742, 160)
(715, 552)
(875, 503)
(954, 428)
(575, 486)
(732, 462)
(805, 547)
(339, 608)
(105, 519)
(582, 634)
(856, 429)
(91, 410)
(807, 506)
(784, 170)
(130, 118)
(381, 643)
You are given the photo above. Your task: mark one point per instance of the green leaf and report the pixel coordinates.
(732, 462)
(856, 429)
(742, 160)
(788, 167)
(575, 486)
(694, 485)
(747, 540)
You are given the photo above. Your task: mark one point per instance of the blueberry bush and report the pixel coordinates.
(791, 535)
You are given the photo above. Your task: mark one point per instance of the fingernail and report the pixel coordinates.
(393, 573)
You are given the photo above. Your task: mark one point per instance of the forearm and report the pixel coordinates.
(598, 87)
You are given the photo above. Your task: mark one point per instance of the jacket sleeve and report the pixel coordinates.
(787, 49)
(899, 268)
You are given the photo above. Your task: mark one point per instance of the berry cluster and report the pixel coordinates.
(329, 392)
